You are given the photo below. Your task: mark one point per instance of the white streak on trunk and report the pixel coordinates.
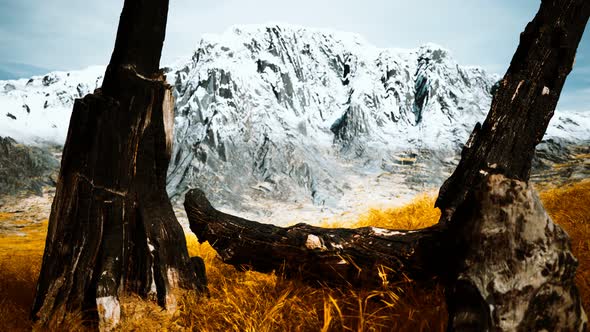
(516, 92)
(168, 113)
(153, 292)
(173, 277)
(385, 232)
(314, 242)
(109, 313)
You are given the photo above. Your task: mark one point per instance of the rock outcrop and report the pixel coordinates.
(25, 169)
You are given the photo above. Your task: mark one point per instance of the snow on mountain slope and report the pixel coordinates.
(282, 118)
(300, 115)
(296, 113)
(38, 109)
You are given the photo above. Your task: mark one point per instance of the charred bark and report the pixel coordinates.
(523, 104)
(505, 264)
(493, 287)
(112, 229)
(363, 257)
(513, 267)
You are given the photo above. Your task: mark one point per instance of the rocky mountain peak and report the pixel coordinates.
(281, 115)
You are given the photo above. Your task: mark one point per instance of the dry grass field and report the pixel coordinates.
(251, 301)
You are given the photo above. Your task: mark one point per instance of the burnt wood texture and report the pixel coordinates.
(112, 229)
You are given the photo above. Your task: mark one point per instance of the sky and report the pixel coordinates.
(74, 34)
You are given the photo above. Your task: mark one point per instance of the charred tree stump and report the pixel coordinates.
(514, 266)
(112, 229)
(505, 265)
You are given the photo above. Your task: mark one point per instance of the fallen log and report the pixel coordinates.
(362, 257)
(506, 266)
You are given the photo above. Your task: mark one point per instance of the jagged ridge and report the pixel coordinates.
(275, 116)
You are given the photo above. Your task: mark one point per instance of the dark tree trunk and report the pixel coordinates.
(513, 268)
(523, 104)
(506, 266)
(112, 228)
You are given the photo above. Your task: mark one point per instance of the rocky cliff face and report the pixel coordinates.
(277, 118)
(302, 115)
(294, 113)
(25, 169)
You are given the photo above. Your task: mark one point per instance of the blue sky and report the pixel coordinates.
(73, 34)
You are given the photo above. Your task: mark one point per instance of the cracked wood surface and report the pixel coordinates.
(363, 257)
(112, 229)
(523, 104)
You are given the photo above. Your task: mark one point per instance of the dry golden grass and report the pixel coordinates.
(20, 261)
(569, 206)
(251, 301)
(417, 214)
(18, 275)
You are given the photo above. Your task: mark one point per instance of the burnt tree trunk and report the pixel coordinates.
(512, 267)
(523, 104)
(505, 264)
(112, 229)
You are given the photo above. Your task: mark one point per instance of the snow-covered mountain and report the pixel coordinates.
(37, 110)
(279, 117)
